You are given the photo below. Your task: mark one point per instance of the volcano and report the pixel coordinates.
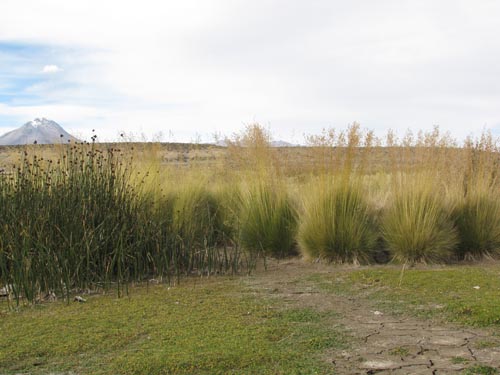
(40, 131)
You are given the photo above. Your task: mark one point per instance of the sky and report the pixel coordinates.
(190, 70)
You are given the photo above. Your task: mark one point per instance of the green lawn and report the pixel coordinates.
(212, 327)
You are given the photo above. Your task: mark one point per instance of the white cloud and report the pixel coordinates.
(206, 66)
(49, 69)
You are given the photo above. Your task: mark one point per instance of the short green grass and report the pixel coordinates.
(480, 370)
(466, 294)
(459, 360)
(214, 327)
(399, 351)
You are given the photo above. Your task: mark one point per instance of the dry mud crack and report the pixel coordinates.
(380, 343)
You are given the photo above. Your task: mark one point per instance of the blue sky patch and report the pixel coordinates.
(24, 49)
(21, 69)
(9, 122)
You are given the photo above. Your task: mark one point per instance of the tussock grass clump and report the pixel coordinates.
(477, 213)
(417, 226)
(268, 220)
(477, 217)
(337, 223)
(196, 216)
(229, 196)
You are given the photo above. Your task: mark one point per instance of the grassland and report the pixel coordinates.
(106, 218)
(97, 215)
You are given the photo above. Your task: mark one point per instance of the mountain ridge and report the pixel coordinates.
(38, 131)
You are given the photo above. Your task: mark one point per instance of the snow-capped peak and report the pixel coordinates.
(39, 131)
(39, 122)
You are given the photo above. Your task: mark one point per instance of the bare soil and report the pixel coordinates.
(380, 342)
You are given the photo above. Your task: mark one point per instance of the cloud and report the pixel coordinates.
(50, 69)
(297, 66)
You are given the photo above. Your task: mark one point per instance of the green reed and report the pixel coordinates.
(78, 222)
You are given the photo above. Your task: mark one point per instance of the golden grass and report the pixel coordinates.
(413, 195)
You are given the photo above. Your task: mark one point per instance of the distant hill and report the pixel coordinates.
(283, 144)
(40, 131)
(279, 143)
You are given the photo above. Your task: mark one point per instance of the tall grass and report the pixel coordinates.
(95, 216)
(78, 222)
(417, 225)
(265, 212)
(337, 223)
(196, 217)
(268, 220)
(477, 218)
(477, 212)
(67, 223)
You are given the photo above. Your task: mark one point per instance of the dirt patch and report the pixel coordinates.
(382, 343)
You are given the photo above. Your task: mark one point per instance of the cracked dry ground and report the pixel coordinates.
(379, 342)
